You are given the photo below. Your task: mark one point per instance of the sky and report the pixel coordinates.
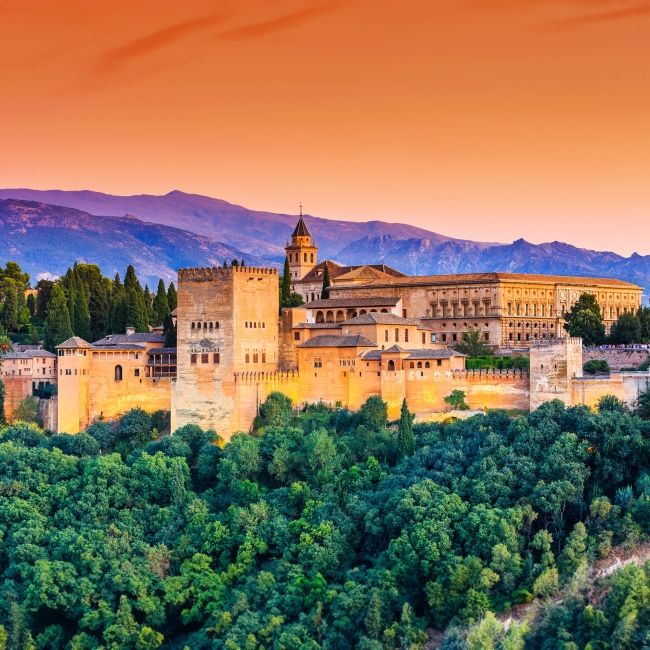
(482, 119)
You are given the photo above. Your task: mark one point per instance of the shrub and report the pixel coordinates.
(596, 366)
(456, 399)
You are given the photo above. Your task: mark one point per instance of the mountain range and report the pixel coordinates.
(47, 230)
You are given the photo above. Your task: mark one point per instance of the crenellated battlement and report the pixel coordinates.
(271, 376)
(210, 273)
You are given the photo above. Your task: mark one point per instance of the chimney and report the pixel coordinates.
(130, 331)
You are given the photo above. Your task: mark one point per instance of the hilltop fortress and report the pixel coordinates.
(378, 332)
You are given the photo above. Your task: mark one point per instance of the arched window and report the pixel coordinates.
(312, 258)
(411, 365)
(391, 365)
(319, 317)
(329, 317)
(340, 316)
(419, 364)
(305, 257)
(193, 325)
(211, 326)
(205, 326)
(118, 373)
(427, 365)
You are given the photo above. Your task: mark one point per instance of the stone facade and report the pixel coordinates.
(227, 324)
(25, 372)
(103, 380)
(510, 310)
(380, 333)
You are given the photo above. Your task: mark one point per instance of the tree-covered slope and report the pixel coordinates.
(318, 531)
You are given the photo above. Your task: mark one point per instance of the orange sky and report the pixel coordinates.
(484, 119)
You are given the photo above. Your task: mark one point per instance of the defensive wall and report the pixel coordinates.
(617, 358)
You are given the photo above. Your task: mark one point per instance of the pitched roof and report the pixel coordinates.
(74, 342)
(301, 229)
(393, 349)
(162, 351)
(319, 326)
(381, 271)
(333, 341)
(29, 354)
(112, 340)
(364, 301)
(381, 319)
(444, 353)
(495, 277)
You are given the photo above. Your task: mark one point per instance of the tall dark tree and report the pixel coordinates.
(172, 298)
(117, 308)
(31, 305)
(405, 437)
(44, 289)
(136, 309)
(160, 305)
(148, 305)
(327, 282)
(57, 326)
(169, 331)
(81, 325)
(627, 329)
(584, 320)
(285, 287)
(9, 314)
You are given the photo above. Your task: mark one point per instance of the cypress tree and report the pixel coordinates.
(117, 308)
(285, 287)
(172, 297)
(136, 309)
(148, 305)
(160, 305)
(10, 308)
(405, 437)
(169, 330)
(325, 291)
(81, 324)
(57, 322)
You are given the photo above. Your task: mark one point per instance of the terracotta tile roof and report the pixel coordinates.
(445, 353)
(74, 342)
(336, 270)
(494, 277)
(29, 354)
(381, 319)
(138, 337)
(319, 326)
(364, 301)
(332, 341)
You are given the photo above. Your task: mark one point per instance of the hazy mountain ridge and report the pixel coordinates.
(216, 227)
(47, 239)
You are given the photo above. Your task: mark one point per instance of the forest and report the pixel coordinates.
(326, 529)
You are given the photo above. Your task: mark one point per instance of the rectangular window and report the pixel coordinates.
(444, 338)
(386, 336)
(396, 335)
(406, 336)
(486, 336)
(296, 336)
(424, 338)
(248, 358)
(433, 338)
(205, 358)
(263, 357)
(216, 358)
(454, 337)
(136, 372)
(318, 362)
(438, 362)
(255, 357)
(192, 358)
(403, 313)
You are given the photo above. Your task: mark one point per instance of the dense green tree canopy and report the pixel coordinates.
(322, 529)
(585, 320)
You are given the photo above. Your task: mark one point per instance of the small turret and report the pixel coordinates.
(302, 252)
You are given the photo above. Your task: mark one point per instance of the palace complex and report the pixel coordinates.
(377, 332)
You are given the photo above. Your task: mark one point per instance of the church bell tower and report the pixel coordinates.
(302, 252)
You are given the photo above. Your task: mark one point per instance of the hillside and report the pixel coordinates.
(47, 239)
(413, 250)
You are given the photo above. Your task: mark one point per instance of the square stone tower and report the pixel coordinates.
(227, 322)
(554, 363)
